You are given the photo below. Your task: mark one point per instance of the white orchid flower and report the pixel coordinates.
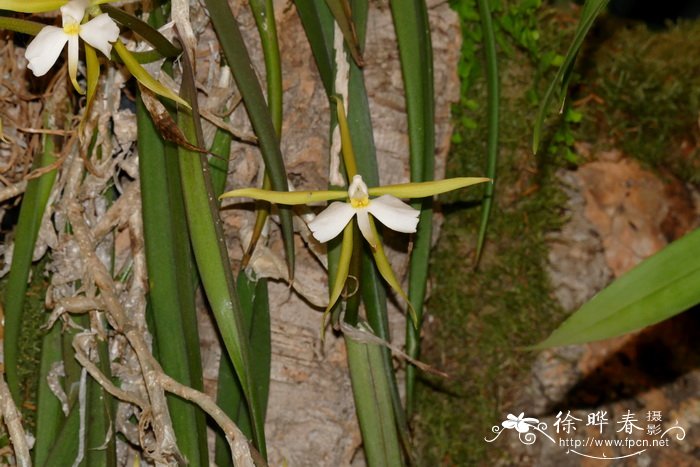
(387, 209)
(336, 218)
(44, 50)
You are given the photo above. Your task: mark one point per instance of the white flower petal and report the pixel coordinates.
(394, 213)
(331, 221)
(99, 32)
(73, 62)
(509, 424)
(363, 224)
(44, 50)
(73, 12)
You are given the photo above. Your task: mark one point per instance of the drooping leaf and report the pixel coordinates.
(492, 117)
(656, 289)
(237, 56)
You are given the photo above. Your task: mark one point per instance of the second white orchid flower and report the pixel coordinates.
(100, 32)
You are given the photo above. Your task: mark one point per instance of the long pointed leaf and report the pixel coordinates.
(238, 59)
(656, 289)
(492, 119)
(167, 285)
(31, 213)
(591, 10)
(211, 254)
(373, 402)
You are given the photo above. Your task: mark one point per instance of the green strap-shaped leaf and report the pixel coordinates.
(656, 289)
(31, 213)
(145, 30)
(373, 401)
(238, 59)
(49, 415)
(415, 51)
(491, 118)
(590, 11)
(211, 255)
(169, 277)
(264, 13)
(318, 25)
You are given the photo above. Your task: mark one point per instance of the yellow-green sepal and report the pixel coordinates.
(287, 198)
(387, 273)
(346, 249)
(39, 6)
(144, 77)
(92, 66)
(425, 189)
(32, 6)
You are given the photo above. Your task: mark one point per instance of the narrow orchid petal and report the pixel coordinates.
(44, 50)
(425, 189)
(73, 62)
(363, 224)
(331, 221)
(73, 12)
(394, 213)
(99, 32)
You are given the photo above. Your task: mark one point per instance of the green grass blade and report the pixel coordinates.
(557, 88)
(264, 13)
(238, 59)
(33, 206)
(211, 255)
(371, 284)
(101, 446)
(49, 414)
(656, 289)
(253, 298)
(492, 117)
(169, 278)
(373, 402)
(415, 51)
(230, 397)
(65, 449)
(318, 25)
(218, 165)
